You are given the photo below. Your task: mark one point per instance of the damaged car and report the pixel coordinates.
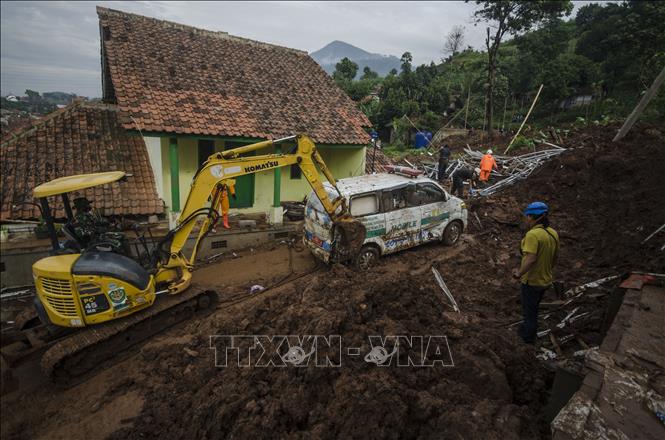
(399, 211)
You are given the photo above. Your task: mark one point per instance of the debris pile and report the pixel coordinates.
(514, 168)
(511, 168)
(575, 320)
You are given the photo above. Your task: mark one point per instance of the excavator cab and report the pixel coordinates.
(87, 280)
(87, 228)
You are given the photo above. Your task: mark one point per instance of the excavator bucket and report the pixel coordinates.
(352, 237)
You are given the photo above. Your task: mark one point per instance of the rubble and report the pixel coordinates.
(511, 168)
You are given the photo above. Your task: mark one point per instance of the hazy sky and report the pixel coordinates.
(54, 46)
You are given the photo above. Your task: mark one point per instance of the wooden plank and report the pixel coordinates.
(555, 344)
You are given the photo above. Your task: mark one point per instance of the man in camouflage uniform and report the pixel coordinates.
(93, 230)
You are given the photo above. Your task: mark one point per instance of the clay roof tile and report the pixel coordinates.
(166, 74)
(82, 138)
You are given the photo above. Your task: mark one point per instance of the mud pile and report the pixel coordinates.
(605, 199)
(486, 394)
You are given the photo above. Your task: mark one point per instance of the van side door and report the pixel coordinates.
(435, 212)
(402, 220)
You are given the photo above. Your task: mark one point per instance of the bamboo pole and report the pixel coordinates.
(639, 108)
(485, 114)
(454, 117)
(524, 120)
(503, 121)
(468, 100)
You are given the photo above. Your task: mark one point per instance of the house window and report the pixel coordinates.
(206, 149)
(296, 172)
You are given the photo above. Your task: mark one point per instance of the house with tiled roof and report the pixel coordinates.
(78, 139)
(191, 92)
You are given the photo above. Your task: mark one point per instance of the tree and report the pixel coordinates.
(609, 32)
(345, 70)
(454, 40)
(511, 18)
(33, 96)
(406, 62)
(369, 73)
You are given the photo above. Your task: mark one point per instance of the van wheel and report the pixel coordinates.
(452, 233)
(367, 257)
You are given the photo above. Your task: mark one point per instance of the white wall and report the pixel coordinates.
(154, 146)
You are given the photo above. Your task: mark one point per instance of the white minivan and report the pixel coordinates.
(397, 211)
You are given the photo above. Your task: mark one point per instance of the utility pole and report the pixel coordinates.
(375, 137)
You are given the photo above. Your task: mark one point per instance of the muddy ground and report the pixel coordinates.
(605, 199)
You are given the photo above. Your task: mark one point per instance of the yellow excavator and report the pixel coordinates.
(113, 296)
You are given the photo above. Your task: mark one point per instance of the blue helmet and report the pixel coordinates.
(536, 208)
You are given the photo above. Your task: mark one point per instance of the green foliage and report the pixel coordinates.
(608, 51)
(345, 70)
(369, 74)
(511, 18)
(625, 40)
(522, 142)
(401, 129)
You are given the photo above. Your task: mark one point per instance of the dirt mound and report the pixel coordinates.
(605, 199)
(483, 395)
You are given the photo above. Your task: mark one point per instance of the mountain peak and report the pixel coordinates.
(333, 52)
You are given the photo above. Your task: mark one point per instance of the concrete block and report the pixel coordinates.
(247, 223)
(173, 219)
(276, 215)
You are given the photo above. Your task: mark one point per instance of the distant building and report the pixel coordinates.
(12, 98)
(575, 101)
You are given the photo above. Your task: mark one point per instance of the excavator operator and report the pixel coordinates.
(95, 231)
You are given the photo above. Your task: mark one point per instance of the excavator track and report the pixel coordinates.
(73, 357)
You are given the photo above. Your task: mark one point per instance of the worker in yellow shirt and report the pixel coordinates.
(539, 249)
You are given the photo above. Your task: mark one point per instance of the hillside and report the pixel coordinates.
(333, 52)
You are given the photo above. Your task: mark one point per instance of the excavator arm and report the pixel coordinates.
(229, 164)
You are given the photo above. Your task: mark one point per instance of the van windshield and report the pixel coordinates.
(314, 202)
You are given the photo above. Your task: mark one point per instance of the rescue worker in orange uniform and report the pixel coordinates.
(226, 188)
(487, 164)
